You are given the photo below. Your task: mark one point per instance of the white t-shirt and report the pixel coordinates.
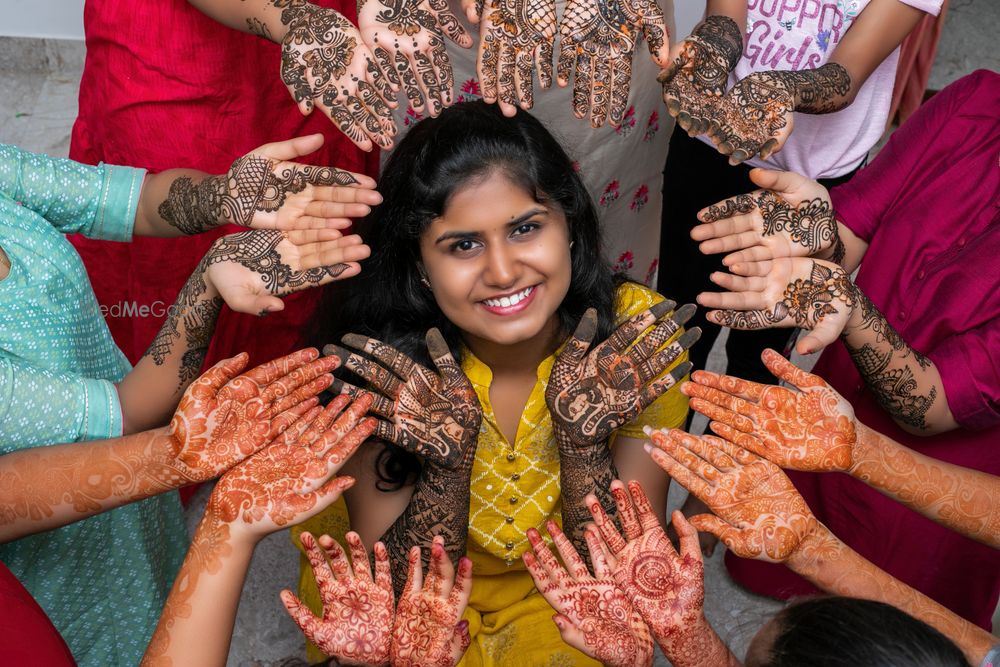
(800, 35)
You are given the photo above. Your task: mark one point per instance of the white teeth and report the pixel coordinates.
(508, 301)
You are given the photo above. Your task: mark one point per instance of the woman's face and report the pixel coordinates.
(498, 262)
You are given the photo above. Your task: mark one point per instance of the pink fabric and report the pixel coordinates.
(166, 86)
(929, 205)
(27, 636)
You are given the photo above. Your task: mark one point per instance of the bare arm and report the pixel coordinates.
(257, 17)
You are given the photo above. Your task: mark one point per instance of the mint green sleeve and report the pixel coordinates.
(39, 407)
(99, 202)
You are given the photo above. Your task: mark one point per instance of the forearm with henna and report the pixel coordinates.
(48, 487)
(905, 382)
(835, 568)
(439, 506)
(964, 500)
(583, 471)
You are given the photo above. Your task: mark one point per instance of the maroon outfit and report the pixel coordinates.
(929, 207)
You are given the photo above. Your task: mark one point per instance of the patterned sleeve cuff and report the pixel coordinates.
(119, 200)
(992, 658)
(102, 410)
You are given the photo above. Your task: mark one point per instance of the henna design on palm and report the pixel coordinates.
(598, 38)
(755, 116)
(591, 394)
(666, 587)
(435, 415)
(257, 250)
(514, 33)
(592, 612)
(758, 513)
(358, 609)
(428, 630)
(325, 62)
(694, 83)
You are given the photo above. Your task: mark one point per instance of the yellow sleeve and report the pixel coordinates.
(669, 410)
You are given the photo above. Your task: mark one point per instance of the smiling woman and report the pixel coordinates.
(488, 238)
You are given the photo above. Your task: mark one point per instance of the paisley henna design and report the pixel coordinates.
(599, 38)
(358, 610)
(435, 415)
(693, 85)
(754, 113)
(258, 251)
(811, 224)
(666, 587)
(428, 630)
(325, 62)
(513, 32)
(728, 208)
(592, 613)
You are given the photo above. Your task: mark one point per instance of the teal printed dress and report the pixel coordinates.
(103, 580)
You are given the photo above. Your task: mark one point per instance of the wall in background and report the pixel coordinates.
(59, 19)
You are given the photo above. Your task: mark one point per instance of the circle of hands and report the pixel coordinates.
(360, 623)
(436, 415)
(753, 118)
(353, 74)
(590, 393)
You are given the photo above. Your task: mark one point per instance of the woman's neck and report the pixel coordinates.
(516, 358)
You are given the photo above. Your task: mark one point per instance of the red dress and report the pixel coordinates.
(929, 207)
(27, 636)
(165, 86)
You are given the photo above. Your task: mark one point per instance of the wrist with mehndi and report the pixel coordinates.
(722, 36)
(813, 552)
(821, 90)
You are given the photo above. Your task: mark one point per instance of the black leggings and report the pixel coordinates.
(695, 176)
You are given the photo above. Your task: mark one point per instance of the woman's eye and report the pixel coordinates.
(464, 245)
(526, 228)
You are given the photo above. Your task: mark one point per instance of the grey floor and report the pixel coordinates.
(38, 98)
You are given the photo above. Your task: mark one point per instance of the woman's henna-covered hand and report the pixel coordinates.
(598, 37)
(790, 292)
(264, 189)
(755, 116)
(428, 630)
(405, 37)
(252, 269)
(325, 63)
(514, 35)
(590, 393)
(436, 415)
(694, 83)
(224, 417)
(810, 427)
(592, 613)
(667, 587)
(758, 512)
(358, 609)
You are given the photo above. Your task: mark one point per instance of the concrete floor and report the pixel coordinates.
(38, 97)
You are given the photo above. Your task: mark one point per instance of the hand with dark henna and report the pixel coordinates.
(811, 427)
(758, 512)
(755, 116)
(264, 189)
(787, 292)
(325, 64)
(515, 34)
(667, 587)
(290, 480)
(429, 630)
(406, 39)
(597, 38)
(793, 218)
(251, 269)
(433, 414)
(696, 79)
(358, 609)
(592, 613)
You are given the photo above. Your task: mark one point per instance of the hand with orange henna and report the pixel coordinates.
(224, 417)
(668, 588)
(358, 610)
(758, 512)
(810, 427)
(290, 480)
(435, 415)
(592, 613)
(428, 631)
(813, 428)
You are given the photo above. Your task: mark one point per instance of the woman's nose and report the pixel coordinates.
(501, 267)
